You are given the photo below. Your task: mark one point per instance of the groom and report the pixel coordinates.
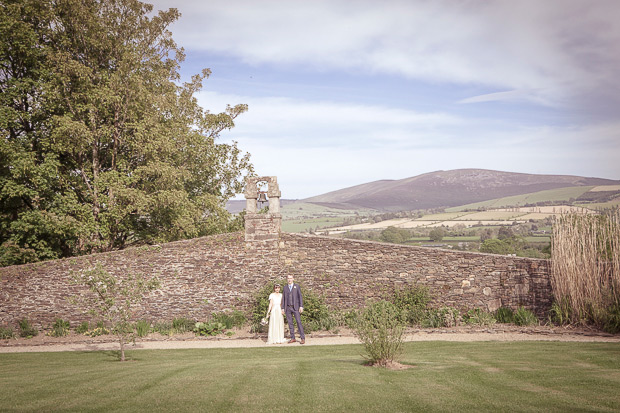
(293, 305)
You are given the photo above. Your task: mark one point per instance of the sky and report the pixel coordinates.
(342, 93)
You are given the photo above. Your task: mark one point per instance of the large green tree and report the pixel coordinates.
(102, 145)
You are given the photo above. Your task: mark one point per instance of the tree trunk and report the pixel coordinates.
(122, 342)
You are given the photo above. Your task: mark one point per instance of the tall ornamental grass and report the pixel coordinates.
(586, 267)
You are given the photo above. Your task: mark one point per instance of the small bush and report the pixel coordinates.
(164, 328)
(230, 319)
(97, 331)
(350, 318)
(209, 329)
(441, 317)
(183, 325)
(143, 328)
(82, 328)
(524, 317)
(561, 312)
(479, 317)
(612, 322)
(26, 329)
(412, 303)
(380, 329)
(6, 333)
(60, 328)
(504, 315)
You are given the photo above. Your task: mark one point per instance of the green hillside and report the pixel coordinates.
(550, 195)
(302, 216)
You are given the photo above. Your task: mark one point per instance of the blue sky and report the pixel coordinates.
(347, 92)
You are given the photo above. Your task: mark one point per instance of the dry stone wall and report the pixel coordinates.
(223, 272)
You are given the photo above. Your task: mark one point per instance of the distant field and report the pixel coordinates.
(491, 216)
(306, 209)
(442, 216)
(311, 223)
(554, 195)
(472, 223)
(543, 239)
(552, 209)
(300, 216)
(604, 188)
(604, 205)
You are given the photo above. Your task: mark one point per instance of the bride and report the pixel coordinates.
(276, 319)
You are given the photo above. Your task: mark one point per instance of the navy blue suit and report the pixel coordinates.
(291, 302)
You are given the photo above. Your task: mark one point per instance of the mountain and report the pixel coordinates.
(448, 189)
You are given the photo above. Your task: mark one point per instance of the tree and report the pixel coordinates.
(505, 233)
(395, 235)
(102, 146)
(495, 246)
(486, 234)
(114, 300)
(437, 234)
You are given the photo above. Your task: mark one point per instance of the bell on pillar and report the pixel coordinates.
(262, 199)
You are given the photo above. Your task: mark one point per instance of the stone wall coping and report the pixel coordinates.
(415, 247)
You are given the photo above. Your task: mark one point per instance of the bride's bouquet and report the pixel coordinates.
(264, 321)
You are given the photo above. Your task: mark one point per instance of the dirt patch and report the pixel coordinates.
(244, 338)
(392, 365)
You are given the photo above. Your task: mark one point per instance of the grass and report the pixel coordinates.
(554, 195)
(479, 376)
(302, 225)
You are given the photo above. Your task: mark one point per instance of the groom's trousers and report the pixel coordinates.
(290, 313)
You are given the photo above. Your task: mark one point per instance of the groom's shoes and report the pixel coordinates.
(292, 341)
(302, 341)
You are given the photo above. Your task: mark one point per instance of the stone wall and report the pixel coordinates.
(223, 272)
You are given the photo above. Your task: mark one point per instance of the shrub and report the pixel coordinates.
(6, 333)
(441, 317)
(612, 322)
(209, 329)
(98, 331)
(183, 325)
(230, 319)
(164, 328)
(143, 328)
(26, 329)
(350, 318)
(60, 328)
(504, 315)
(412, 303)
(561, 312)
(524, 317)
(479, 317)
(316, 316)
(380, 329)
(82, 328)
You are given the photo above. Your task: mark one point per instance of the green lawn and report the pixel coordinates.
(554, 195)
(302, 225)
(481, 376)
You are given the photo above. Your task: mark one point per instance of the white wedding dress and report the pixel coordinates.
(276, 320)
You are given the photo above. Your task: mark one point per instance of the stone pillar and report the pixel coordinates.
(262, 228)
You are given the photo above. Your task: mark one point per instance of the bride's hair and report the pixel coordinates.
(276, 286)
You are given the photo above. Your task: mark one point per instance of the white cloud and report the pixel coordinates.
(558, 49)
(316, 147)
(296, 122)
